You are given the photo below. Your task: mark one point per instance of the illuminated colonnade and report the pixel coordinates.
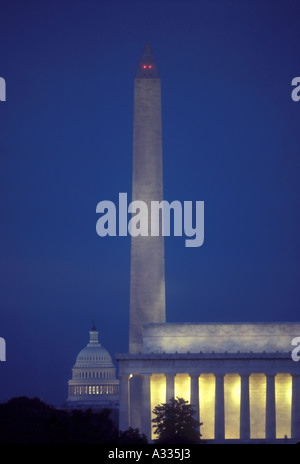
(230, 406)
(240, 378)
(254, 421)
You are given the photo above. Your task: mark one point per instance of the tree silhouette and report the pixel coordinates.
(31, 421)
(132, 436)
(175, 422)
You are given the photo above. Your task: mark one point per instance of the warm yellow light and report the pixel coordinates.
(257, 395)
(158, 393)
(183, 387)
(232, 397)
(283, 396)
(207, 386)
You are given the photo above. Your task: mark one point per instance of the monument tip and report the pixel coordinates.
(147, 67)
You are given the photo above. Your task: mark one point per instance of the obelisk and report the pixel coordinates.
(147, 276)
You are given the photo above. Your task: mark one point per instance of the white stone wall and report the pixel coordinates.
(219, 338)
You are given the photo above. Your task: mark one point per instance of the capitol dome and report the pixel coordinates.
(94, 382)
(94, 353)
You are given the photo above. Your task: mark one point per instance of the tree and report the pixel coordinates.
(175, 422)
(31, 421)
(132, 436)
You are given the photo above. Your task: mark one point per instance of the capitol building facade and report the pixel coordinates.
(93, 383)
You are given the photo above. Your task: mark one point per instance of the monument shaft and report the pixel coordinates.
(147, 278)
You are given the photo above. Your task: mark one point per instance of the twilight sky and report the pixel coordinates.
(230, 138)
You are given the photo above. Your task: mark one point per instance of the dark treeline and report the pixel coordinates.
(30, 421)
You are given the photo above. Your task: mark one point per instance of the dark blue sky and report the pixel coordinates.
(230, 137)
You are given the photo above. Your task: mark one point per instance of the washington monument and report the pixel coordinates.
(147, 279)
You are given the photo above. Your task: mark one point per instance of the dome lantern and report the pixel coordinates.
(94, 336)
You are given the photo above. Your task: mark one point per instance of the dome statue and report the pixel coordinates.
(94, 383)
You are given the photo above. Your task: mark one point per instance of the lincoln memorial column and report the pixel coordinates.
(245, 409)
(219, 408)
(296, 406)
(270, 408)
(124, 400)
(146, 406)
(195, 395)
